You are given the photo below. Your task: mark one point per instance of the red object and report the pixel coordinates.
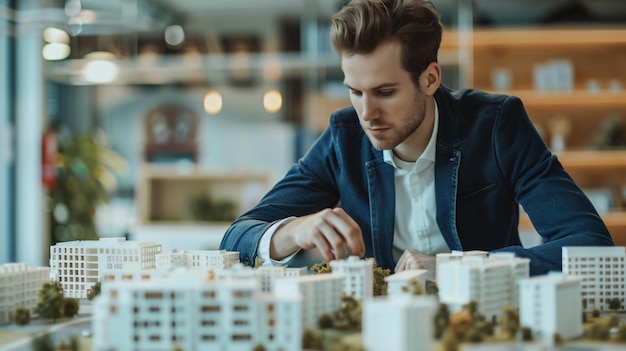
(49, 157)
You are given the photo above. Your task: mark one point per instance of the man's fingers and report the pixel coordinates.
(349, 231)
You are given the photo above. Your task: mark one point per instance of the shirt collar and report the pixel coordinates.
(429, 151)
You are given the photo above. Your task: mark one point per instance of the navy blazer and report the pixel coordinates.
(489, 160)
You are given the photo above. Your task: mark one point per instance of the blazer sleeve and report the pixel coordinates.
(559, 210)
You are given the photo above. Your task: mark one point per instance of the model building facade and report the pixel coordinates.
(399, 323)
(189, 311)
(197, 259)
(78, 265)
(550, 304)
(19, 287)
(490, 281)
(357, 276)
(602, 272)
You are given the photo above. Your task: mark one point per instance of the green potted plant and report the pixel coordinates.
(85, 176)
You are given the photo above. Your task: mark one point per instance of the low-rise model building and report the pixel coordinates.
(403, 283)
(550, 304)
(399, 323)
(187, 310)
(197, 259)
(489, 281)
(357, 275)
(19, 287)
(78, 265)
(602, 272)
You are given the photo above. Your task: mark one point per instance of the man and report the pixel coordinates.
(413, 169)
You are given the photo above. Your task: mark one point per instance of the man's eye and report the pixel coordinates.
(385, 92)
(355, 92)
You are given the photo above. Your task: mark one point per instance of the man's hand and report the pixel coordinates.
(413, 259)
(330, 231)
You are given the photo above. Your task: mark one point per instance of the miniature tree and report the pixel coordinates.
(460, 323)
(321, 268)
(325, 321)
(613, 320)
(449, 341)
(525, 333)
(72, 345)
(595, 313)
(483, 327)
(51, 301)
(599, 330)
(510, 321)
(70, 307)
(21, 316)
(417, 288)
(378, 279)
(442, 318)
(259, 347)
(615, 304)
(348, 316)
(258, 262)
(95, 291)
(557, 339)
(42, 342)
(312, 340)
(621, 333)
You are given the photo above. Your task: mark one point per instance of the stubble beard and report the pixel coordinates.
(411, 122)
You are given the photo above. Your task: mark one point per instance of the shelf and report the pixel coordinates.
(597, 169)
(169, 195)
(549, 37)
(570, 99)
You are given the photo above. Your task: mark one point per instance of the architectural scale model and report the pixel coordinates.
(399, 323)
(196, 300)
(197, 259)
(489, 281)
(194, 311)
(78, 265)
(550, 305)
(358, 276)
(402, 283)
(602, 272)
(19, 287)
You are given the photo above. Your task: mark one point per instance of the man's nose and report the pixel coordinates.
(369, 109)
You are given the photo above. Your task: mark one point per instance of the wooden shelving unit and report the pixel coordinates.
(165, 192)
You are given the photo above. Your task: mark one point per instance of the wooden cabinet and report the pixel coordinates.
(192, 195)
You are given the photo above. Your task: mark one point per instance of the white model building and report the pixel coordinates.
(357, 276)
(270, 273)
(602, 272)
(550, 304)
(399, 323)
(321, 294)
(185, 309)
(78, 265)
(489, 281)
(197, 259)
(401, 283)
(445, 257)
(19, 287)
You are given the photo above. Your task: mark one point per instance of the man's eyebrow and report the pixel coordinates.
(380, 86)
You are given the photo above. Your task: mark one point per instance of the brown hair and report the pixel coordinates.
(360, 26)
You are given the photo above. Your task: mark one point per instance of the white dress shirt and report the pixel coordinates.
(415, 223)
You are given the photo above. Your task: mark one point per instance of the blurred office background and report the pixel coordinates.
(164, 119)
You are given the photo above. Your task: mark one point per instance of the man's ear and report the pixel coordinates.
(431, 78)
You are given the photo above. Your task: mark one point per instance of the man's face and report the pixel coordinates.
(389, 105)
